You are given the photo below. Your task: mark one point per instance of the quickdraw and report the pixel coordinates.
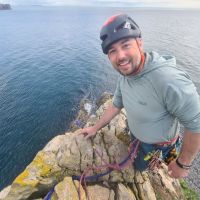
(156, 158)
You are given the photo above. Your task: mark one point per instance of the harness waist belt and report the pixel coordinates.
(172, 141)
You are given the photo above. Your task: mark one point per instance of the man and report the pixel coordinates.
(155, 94)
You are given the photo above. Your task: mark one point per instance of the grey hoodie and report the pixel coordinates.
(157, 99)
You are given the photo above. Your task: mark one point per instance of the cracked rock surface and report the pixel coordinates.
(70, 154)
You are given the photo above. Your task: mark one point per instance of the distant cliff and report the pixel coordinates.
(5, 7)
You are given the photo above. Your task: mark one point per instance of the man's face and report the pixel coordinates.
(125, 55)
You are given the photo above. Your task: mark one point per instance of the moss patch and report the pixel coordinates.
(189, 193)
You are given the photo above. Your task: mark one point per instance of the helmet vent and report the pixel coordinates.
(133, 27)
(127, 25)
(122, 26)
(103, 37)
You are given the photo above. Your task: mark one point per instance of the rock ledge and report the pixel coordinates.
(70, 154)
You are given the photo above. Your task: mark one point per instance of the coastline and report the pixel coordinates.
(5, 6)
(50, 170)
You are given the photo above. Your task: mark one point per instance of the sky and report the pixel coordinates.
(134, 3)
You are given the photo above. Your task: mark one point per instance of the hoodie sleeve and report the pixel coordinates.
(117, 99)
(182, 101)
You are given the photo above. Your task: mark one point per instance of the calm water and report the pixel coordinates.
(50, 58)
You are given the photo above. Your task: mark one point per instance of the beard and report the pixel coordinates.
(131, 66)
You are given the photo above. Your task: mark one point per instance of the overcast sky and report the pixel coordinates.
(137, 3)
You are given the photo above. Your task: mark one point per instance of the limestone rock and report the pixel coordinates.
(143, 184)
(76, 154)
(66, 190)
(164, 186)
(80, 190)
(98, 192)
(124, 193)
(71, 154)
(55, 144)
(4, 192)
(104, 97)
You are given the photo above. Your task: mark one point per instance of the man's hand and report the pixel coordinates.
(88, 132)
(175, 171)
(189, 149)
(107, 116)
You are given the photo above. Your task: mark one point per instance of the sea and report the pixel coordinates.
(51, 59)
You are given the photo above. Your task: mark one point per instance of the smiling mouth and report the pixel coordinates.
(124, 63)
(123, 66)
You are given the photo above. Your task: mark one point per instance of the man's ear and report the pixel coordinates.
(140, 43)
(108, 55)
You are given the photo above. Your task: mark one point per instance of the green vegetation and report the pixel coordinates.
(158, 197)
(189, 193)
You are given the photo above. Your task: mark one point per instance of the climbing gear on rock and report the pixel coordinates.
(110, 166)
(164, 152)
(155, 160)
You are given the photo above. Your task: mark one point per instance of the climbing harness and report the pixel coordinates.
(157, 157)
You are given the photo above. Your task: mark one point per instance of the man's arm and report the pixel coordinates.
(189, 149)
(108, 115)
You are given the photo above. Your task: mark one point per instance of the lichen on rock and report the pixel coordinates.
(71, 154)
